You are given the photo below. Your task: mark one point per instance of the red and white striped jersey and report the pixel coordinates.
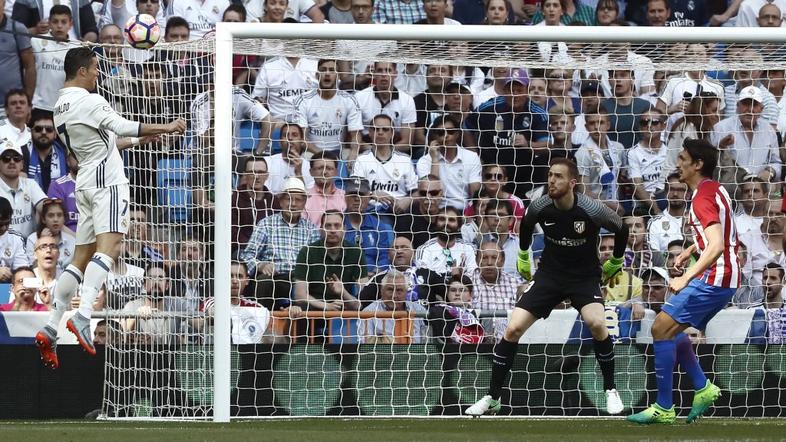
(711, 205)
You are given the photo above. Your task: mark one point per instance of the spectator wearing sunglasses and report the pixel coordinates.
(25, 194)
(494, 185)
(458, 168)
(47, 160)
(646, 163)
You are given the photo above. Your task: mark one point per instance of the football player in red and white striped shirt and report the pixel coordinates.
(702, 291)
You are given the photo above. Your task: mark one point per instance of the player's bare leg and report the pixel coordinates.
(106, 249)
(594, 315)
(504, 354)
(65, 289)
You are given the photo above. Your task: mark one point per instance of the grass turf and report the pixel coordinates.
(374, 430)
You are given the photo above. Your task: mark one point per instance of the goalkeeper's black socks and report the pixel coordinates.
(504, 353)
(604, 353)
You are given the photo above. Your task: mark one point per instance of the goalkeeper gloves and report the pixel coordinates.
(524, 265)
(612, 270)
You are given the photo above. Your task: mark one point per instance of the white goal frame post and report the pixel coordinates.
(227, 32)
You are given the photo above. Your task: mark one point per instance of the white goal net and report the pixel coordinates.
(367, 239)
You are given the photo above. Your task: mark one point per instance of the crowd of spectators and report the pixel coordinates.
(382, 187)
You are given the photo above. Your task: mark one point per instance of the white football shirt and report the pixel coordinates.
(23, 200)
(279, 170)
(456, 176)
(396, 176)
(401, 107)
(49, 58)
(88, 126)
(326, 122)
(243, 108)
(12, 250)
(280, 84)
(649, 165)
(431, 255)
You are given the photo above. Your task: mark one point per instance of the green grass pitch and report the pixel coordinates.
(376, 430)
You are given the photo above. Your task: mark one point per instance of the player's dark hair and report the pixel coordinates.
(6, 211)
(496, 204)
(76, 59)
(331, 212)
(15, 92)
(61, 10)
(704, 151)
(176, 22)
(776, 266)
(234, 7)
(324, 155)
(573, 170)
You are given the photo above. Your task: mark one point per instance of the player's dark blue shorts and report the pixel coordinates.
(697, 303)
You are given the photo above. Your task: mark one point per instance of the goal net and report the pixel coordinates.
(338, 228)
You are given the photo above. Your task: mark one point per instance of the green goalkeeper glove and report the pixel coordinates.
(524, 265)
(612, 269)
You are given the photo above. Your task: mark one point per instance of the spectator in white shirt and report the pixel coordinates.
(13, 130)
(752, 200)
(749, 77)
(679, 90)
(666, 227)
(49, 57)
(446, 253)
(384, 98)
(331, 118)
(281, 81)
(600, 160)
(647, 161)
(389, 172)
(259, 10)
(752, 142)
(290, 162)
(12, 244)
(750, 11)
(201, 15)
(459, 168)
(117, 12)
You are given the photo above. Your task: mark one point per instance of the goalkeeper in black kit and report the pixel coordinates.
(569, 269)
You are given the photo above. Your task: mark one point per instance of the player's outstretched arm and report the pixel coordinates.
(175, 127)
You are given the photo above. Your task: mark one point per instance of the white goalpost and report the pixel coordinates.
(337, 370)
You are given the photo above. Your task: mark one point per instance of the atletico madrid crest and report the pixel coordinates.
(578, 226)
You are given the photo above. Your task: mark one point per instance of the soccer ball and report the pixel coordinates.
(142, 31)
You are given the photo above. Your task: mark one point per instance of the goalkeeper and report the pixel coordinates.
(569, 268)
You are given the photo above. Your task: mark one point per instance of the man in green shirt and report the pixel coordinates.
(328, 271)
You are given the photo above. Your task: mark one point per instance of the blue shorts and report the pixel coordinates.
(697, 303)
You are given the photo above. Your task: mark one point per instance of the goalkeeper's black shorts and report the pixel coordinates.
(546, 291)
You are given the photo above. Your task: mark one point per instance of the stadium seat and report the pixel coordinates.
(5, 293)
(248, 132)
(174, 188)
